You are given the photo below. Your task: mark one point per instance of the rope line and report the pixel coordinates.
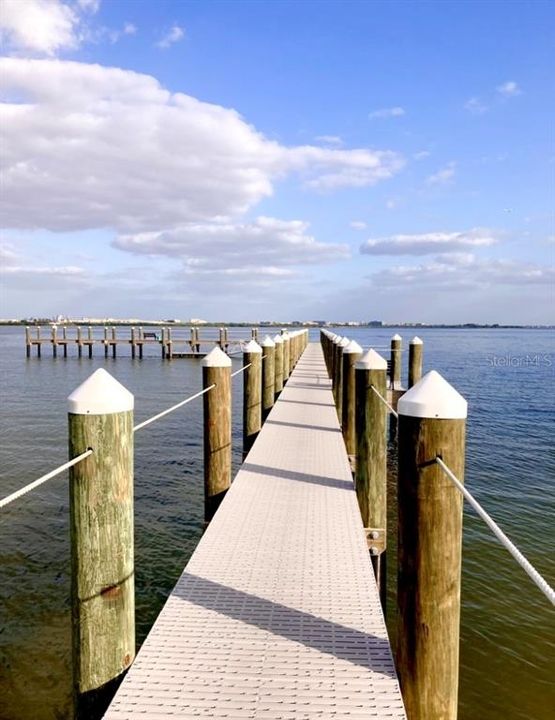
(240, 370)
(31, 486)
(140, 426)
(525, 564)
(384, 401)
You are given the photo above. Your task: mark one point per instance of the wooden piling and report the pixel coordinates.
(169, 344)
(334, 354)
(286, 370)
(351, 353)
(339, 377)
(268, 375)
(278, 364)
(221, 340)
(114, 342)
(371, 459)
(252, 394)
(415, 360)
(133, 341)
(27, 341)
(79, 341)
(432, 417)
(90, 342)
(54, 341)
(64, 336)
(106, 342)
(216, 370)
(101, 522)
(395, 378)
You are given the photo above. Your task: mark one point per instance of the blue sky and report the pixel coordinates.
(280, 160)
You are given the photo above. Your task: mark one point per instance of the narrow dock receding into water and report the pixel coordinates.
(277, 614)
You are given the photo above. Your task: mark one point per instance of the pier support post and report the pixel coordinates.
(101, 522)
(79, 341)
(141, 342)
(252, 394)
(339, 377)
(432, 419)
(133, 346)
(221, 340)
(278, 364)
(286, 355)
(216, 370)
(64, 336)
(268, 375)
(396, 341)
(371, 459)
(90, 341)
(415, 360)
(114, 342)
(351, 353)
(27, 341)
(334, 351)
(54, 341)
(169, 344)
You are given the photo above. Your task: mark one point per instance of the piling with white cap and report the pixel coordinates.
(351, 353)
(371, 458)
(252, 394)
(395, 372)
(334, 353)
(341, 345)
(415, 360)
(278, 364)
(101, 525)
(268, 375)
(432, 420)
(216, 370)
(286, 355)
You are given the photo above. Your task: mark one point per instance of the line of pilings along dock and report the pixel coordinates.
(277, 614)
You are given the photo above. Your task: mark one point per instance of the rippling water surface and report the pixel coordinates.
(507, 628)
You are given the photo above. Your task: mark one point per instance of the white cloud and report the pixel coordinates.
(422, 155)
(358, 225)
(428, 243)
(175, 34)
(129, 29)
(333, 140)
(391, 204)
(471, 273)
(102, 147)
(509, 89)
(444, 176)
(91, 6)
(235, 248)
(43, 26)
(387, 112)
(475, 106)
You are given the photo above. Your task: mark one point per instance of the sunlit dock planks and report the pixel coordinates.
(277, 614)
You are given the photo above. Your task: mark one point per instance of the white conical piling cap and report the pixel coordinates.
(252, 347)
(433, 397)
(216, 358)
(344, 342)
(100, 394)
(337, 339)
(352, 347)
(416, 341)
(371, 361)
(267, 342)
(285, 335)
(396, 337)
(278, 339)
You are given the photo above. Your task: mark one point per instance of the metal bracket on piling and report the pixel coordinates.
(375, 539)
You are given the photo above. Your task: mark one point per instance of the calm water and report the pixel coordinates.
(507, 634)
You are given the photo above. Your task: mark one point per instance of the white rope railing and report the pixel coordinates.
(525, 564)
(31, 486)
(140, 426)
(394, 412)
(241, 369)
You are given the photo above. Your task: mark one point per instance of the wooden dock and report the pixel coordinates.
(277, 614)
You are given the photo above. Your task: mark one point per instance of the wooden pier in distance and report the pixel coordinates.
(277, 614)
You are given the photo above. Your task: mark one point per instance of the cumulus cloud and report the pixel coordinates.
(421, 155)
(508, 89)
(475, 106)
(358, 225)
(464, 272)
(267, 243)
(333, 140)
(444, 176)
(428, 243)
(43, 26)
(387, 113)
(102, 147)
(174, 34)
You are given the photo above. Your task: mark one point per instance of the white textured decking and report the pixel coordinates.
(277, 613)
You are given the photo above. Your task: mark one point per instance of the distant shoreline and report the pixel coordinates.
(271, 324)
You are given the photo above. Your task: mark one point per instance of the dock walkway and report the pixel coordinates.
(277, 613)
